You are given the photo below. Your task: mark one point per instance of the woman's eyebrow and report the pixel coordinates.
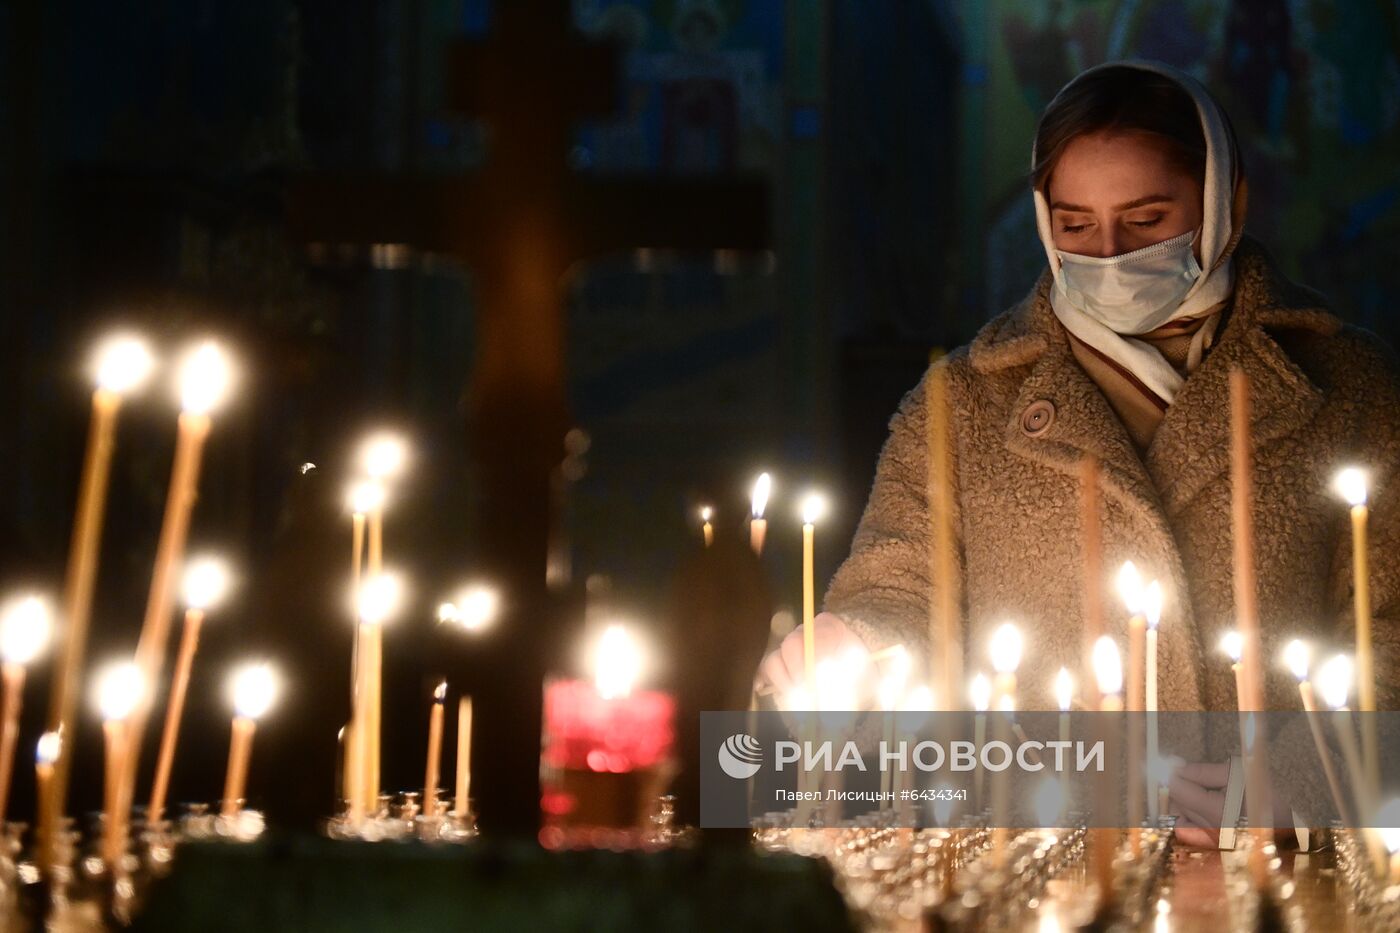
(1126, 206)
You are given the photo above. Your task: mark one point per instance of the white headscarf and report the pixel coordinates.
(1217, 278)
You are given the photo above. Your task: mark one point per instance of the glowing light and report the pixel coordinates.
(1130, 587)
(440, 692)
(123, 364)
(206, 580)
(119, 688)
(1005, 648)
(380, 596)
(797, 699)
(49, 748)
(918, 699)
(1232, 644)
(979, 691)
(1152, 599)
(1297, 656)
(813, 508)
(366, 497)
(383, 456)
(1064, 689)
(1388, 820)
(762, 488)
(617, 663)
(1334, 681)
(1351, 484)
(254, 690)
(25, 626)
(706, 513)
(205, 377)
(1108, 666)
(474, 609)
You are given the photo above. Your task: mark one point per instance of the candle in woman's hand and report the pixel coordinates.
(1131, 588)
(25, 626)
(120, 689)
(1108, 675)
(1152, 609)
(205, 583)
(254, 690)
(758, 525)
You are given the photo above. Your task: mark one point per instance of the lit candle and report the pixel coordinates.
(707, 530)
(1092, 543)
(1334, 680)
(1232, 646)
(812, 507)
(758, 525)
(1152, 609)
(1131, 589)
(254, 689)
(890, 694)
(382, 457)
(50, 746)
(204, 379)
(1108, 675)
(1351, 484)
(1006, 648)
(380, 595)
(464, 754)
(430, 774)
(25, 626)
(366, 496)
(119, 692)
(206, 581)
(123, 364)
(1297, 657)
(979, 693)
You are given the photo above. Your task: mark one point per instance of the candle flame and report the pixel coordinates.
(366, 496)
(379, 598)
(918, 699)
(25, 626)
(254, 688)
(979, 691)
(1334, 681)
(797, 699)
(1297, 656)
(1007, 703)
(476, 607)
(813, 508)
(1130, 587)
(205, 376)
(440, 693)
(706, 513)
(448, 612)
(206, 580)
(1064, 689)
(1108, 666)
(762, 488)
(1388, 824)
(1232, 643)
(1351, 484)
(119, 688)
(1006, 647)
(383, 456)
(123, 364)
(617, 664)
(1152, 600)
(49, 748)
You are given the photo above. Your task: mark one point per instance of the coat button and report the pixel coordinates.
(1037, 418)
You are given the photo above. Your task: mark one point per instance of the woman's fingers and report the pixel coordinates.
(1197, 836)
(1205, 802)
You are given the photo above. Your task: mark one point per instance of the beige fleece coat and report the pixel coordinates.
(1325, 395)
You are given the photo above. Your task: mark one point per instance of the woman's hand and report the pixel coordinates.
(1198, 799)
(784, 668)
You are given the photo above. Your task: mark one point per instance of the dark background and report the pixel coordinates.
(152, 154)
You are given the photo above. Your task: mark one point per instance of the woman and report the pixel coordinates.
(1122, 351)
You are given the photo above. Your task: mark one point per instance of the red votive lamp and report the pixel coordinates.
(606, 752)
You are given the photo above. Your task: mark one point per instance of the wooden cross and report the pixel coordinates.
(520, 223)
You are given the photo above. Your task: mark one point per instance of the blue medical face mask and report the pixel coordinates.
(1135, 292)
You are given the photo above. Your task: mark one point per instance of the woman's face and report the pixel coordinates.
(1112, 193)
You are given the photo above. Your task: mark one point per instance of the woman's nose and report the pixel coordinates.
(1108, 241)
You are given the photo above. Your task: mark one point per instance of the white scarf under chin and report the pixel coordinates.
(1217, 280)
